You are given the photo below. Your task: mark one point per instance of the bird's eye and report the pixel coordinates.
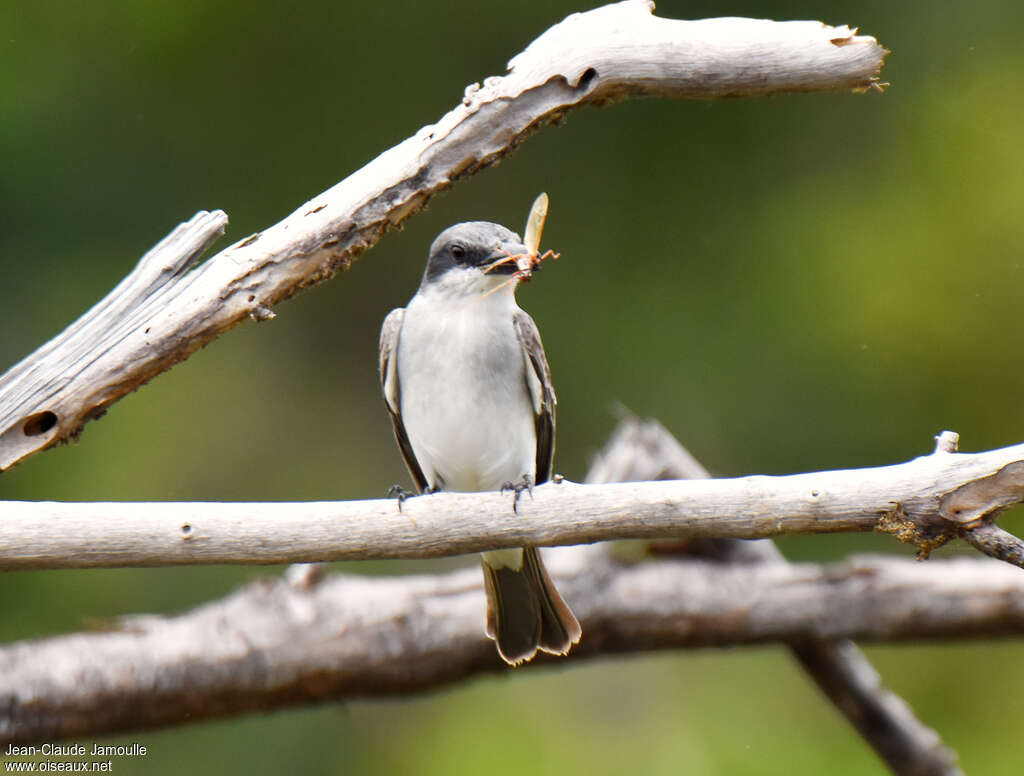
(458, 252)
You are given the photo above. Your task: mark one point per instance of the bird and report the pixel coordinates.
(467, 385)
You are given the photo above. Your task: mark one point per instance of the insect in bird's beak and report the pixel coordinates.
(534, 229)
(528, 263)
(530, 260)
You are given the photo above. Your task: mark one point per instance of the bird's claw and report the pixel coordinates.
(526, 483)
(397, 491)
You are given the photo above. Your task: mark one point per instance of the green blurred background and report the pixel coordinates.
(788, 284)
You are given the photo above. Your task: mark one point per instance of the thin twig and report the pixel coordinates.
(993, 540)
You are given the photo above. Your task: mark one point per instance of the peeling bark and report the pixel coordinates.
(591, 58)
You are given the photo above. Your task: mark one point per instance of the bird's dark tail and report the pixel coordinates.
(525, 613)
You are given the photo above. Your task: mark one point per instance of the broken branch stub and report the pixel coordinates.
(116, 346)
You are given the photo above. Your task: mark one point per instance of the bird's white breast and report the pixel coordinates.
(464, 398)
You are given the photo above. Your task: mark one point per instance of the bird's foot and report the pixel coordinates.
(397, 491)
(400, 493)
(525, 484)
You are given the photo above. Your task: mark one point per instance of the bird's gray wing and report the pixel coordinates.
(388, 365)
(538, 381)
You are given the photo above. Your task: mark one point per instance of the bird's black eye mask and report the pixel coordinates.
(459, 254)
(474, 245)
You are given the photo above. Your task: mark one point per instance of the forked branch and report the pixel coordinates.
(592, 58)
(645, 450)
(636, 450)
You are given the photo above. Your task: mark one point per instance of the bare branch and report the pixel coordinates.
(885, 720)
(641, 450)
(272, 644)
(597, 57)
(993, 540)
(41, 392)
(927, 501)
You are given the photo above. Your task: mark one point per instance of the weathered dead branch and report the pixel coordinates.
(161, 314)
(272, 644)
(926, 501)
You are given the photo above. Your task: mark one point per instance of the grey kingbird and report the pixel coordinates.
(469, 391)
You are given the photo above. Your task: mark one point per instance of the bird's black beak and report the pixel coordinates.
(507, 259)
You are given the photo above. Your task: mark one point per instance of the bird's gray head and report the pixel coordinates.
(470, 250)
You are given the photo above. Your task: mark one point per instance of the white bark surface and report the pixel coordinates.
(636, 451)
(49, 395)
(925, 501)
(146, 326)
(645, 450)
(272, 644)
